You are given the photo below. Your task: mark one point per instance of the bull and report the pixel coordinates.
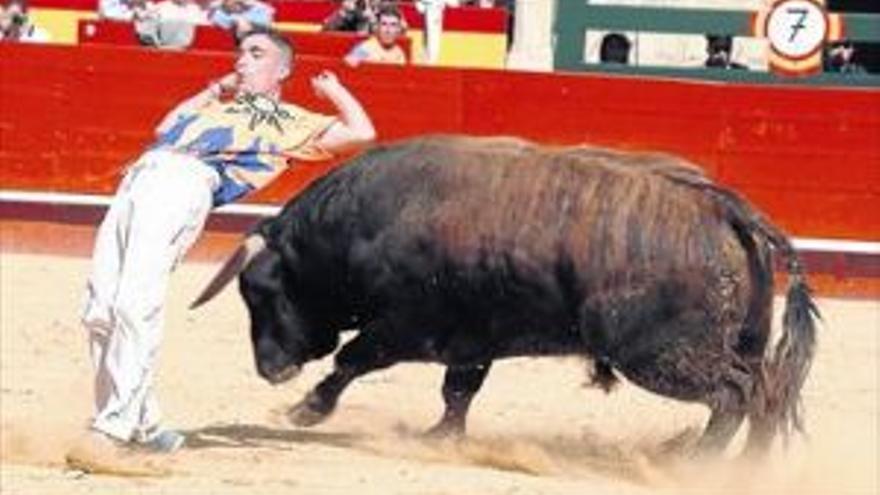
(462, 251)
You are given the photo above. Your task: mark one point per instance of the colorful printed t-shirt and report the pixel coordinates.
(249, 141)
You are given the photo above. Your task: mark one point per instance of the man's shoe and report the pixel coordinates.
(164, 442)
(98, 453)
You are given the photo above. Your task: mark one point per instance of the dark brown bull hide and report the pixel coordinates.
(462, 251)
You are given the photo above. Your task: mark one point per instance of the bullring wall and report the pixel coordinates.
(809, 157)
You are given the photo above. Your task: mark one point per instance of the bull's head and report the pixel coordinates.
(283, 333)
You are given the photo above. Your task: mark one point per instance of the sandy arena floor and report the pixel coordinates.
(533, 429)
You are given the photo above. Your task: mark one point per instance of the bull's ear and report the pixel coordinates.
(252, 246)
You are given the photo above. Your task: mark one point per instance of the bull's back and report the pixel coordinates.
(493, 211)
(603, 210)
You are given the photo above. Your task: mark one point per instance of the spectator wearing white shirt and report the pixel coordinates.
(241, 16)
(125, 10)
(16, 25)
(182, 10)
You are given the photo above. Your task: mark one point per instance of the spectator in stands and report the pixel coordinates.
(126, 10)
(614, 49)
(483, 4)
(171, 23)
(382, 47)
(234, 136)
(241, 16)
(718, 49)
(351, 16)
(432, 11)
(16, 24)
(839, 58)
(189, 11)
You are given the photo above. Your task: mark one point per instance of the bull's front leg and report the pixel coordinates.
(460, 385)
(367, 352)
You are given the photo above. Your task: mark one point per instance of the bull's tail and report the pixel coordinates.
(251, 247)
(787, 368)
(777, 406)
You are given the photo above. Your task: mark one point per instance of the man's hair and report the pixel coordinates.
(718, 43)
(389, 9)
(614, 49)
(277, 39)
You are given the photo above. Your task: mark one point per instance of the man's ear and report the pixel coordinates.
(284, 72)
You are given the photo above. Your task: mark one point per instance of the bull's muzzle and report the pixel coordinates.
(277, 377)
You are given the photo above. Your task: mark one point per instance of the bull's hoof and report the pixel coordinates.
(308, 413)
(445, 431)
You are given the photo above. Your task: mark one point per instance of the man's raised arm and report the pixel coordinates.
(354, 128)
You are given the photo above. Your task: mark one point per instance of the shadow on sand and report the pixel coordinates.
(260, 436)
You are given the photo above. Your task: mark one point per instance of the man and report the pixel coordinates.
(351, 16)
(382, 47)
(228, 140)
(839, 57)
(718, 53)
(172, 23)
(16, 25)
(241, 16)
(126, 10)
(614, 49)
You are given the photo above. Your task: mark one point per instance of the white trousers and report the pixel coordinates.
(158, 211)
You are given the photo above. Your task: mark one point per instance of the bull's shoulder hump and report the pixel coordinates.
(460, 144)
(625, 161)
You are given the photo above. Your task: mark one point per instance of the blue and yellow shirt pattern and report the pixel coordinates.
(249, 141)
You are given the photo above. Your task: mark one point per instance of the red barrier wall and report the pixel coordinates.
(810, 157)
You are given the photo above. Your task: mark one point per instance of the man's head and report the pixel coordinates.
(234, 6)
(265, 60)
(13, 16)
(614, 49)
(841, 52)
(718, 49)
(389, 25)
(719, 45)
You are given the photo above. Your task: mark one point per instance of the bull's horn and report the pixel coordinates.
(252, 246)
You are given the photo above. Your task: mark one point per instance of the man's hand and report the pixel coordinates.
(354, 128)
(326, 85)
(227, 84)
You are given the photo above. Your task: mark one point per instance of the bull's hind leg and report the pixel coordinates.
(728, 409)
(691, 363)
(460, 385)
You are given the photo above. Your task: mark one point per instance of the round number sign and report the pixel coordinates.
(797, 28)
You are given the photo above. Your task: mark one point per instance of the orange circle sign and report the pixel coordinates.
(796, 31)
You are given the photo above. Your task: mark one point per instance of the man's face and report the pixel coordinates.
(12, 16)
(842, 53)
(261, 66)
(233, 5)
(388, 30)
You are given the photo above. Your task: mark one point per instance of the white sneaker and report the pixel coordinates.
(164, 442)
